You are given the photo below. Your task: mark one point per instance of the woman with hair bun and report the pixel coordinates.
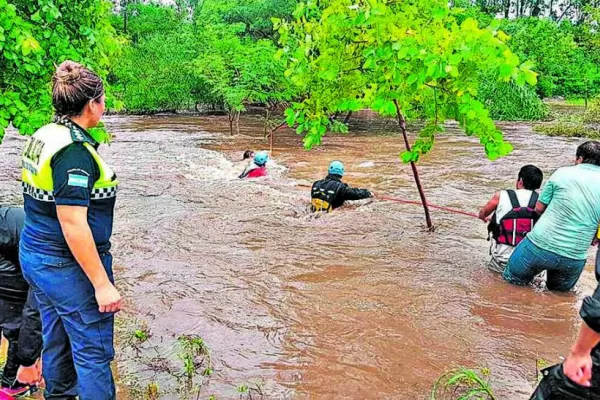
(69, 194)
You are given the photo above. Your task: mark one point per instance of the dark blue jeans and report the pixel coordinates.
(528, 260)
(78, 339)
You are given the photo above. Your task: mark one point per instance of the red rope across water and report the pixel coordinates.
(402, 201)
(418, 203)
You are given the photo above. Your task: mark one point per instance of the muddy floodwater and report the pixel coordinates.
(361, 303)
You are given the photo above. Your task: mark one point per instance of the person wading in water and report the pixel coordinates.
(331, 193)
(512, 216)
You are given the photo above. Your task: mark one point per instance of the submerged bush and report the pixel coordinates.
(568, 129)
(511, 102)
(592, 114)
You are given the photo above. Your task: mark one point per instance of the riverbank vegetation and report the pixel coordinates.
(219, 56)
(581, 123)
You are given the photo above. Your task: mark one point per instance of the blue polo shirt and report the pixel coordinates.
(568, 226)
(74, 172)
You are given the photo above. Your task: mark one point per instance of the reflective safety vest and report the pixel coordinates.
(48, 141)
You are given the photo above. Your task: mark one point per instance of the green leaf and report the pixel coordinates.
(290, 117)
(469, 24)
(455, 59)
(506, 71)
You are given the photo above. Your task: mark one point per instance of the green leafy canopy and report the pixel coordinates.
(36, 36)
(348, 55)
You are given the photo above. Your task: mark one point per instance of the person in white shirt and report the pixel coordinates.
(511, 215)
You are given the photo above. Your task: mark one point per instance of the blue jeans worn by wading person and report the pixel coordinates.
(528, 260)
(78, 339)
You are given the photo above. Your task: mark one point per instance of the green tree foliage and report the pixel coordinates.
(239, 70)
(562, 63)
(208, 53)
(397, 58)
(566, 53)
(256, 15)
(34, 36)
(155, 74)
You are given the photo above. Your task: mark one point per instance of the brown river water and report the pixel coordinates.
(361, 303)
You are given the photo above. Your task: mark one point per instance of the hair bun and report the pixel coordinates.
(68, 72)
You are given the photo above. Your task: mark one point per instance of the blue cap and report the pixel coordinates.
(261, 158)
(336, 168)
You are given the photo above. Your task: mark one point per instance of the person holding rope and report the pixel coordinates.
(331, 193)
(70, 194)
(511, 215)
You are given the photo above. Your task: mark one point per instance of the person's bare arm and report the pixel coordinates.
(486, 211)
(540, 208)
(73, 221)
(578, 365)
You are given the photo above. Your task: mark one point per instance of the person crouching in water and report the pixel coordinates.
(331, 193)
(512, 216)
(258, 167)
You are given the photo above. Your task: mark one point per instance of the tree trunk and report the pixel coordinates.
(402, 124)
(267, 119)
(347, 117)
(507, 9)
(237, 122)
(125, 16)
(230, 115)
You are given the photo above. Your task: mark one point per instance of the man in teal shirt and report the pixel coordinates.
(558, 244)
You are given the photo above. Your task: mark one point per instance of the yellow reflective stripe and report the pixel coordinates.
(105, 181)
(321, 205)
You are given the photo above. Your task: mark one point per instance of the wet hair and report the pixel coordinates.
(73, 86)
(531, 176)
(248, 154)
(589, 152)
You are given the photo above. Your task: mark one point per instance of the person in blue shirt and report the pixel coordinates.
(570, 211)
(69, 199)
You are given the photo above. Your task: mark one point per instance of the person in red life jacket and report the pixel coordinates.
(512, 216)
(331, 193)
(258, 167)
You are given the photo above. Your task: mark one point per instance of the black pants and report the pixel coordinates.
(20, 325)
(556, 386)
